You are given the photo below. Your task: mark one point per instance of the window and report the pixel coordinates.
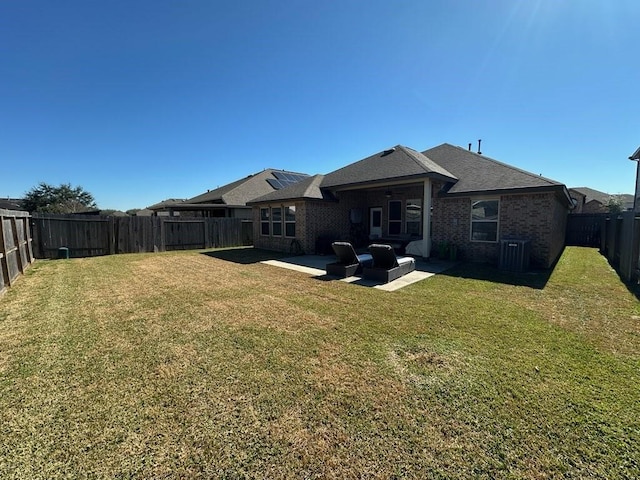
(413, 215)
(290, 221)
(484, 220)
(395, 217)
(276, 221)
(264, 221)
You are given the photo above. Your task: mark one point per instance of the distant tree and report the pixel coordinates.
(47, 198)
(614, 205)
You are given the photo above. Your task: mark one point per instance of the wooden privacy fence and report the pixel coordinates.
(586, 229)
(618, 238)
(87, 235)
(16, 252)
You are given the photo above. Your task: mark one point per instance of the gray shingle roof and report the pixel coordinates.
(480, 174)
(308, 189)
(602, 197)
(398, 163)
(241, 191)
(170, 202)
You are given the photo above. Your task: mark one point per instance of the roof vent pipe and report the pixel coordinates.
(479, 141)
(469, 146)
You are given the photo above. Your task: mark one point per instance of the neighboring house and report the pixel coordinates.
(231, 200)
(589, 200)
(169, 207)
(11, 203)
(445, 194)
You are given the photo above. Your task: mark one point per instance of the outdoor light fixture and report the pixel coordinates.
(387, 194)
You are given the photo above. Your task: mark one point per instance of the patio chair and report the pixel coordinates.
(348, 262)
(386, 266)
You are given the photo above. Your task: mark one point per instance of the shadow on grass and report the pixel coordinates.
(632, 286)
(244, 255)
(533, 279)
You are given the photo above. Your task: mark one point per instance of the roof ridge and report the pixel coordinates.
(315, 181)
(530, 174)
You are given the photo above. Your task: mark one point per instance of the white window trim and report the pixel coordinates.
(472, 221)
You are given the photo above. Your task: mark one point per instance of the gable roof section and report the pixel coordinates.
(244, 190)
(398, 163)
(482, 175)
(602, 197)
(170, 202)
(307, 189)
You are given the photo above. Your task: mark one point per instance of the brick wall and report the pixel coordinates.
(538, 217)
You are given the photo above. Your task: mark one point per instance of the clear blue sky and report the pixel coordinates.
(141, 100)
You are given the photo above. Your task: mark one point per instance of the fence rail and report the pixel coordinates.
(87, 236)
(16, 252)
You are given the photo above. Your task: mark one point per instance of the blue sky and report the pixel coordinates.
(139, 101)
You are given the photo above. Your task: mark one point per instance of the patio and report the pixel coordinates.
(314, 265)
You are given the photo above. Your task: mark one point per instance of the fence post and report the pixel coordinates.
(6, 282)
(16, 243)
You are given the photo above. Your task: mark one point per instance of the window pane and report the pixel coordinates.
(484, 231)
(290, 214)
(276, 214)
(413, 214)
(484, 210)
(264, 214)
(290, 229)
(395, 228)
(277, 229)
(395, 210)
(264, 228)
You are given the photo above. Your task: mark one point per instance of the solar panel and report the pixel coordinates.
(274, 183)
(283, 179)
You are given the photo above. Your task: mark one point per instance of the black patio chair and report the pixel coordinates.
(386, 266)
(347, 263)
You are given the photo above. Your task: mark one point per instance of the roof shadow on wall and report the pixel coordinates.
(244, 255)
(534, 278)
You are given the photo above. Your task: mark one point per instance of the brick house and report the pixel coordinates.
(418, 201)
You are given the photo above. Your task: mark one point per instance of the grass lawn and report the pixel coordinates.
(184, 365)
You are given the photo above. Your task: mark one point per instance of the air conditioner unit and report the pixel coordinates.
(515, 254)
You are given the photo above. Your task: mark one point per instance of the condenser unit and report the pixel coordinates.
(515, 254)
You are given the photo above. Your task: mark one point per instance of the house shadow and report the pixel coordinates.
(534, 278)
(244, 255)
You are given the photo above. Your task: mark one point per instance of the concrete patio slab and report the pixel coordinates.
(314, 265)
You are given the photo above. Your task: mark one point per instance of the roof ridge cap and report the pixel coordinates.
(531, 174)
(410, 152)
(316, 180)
